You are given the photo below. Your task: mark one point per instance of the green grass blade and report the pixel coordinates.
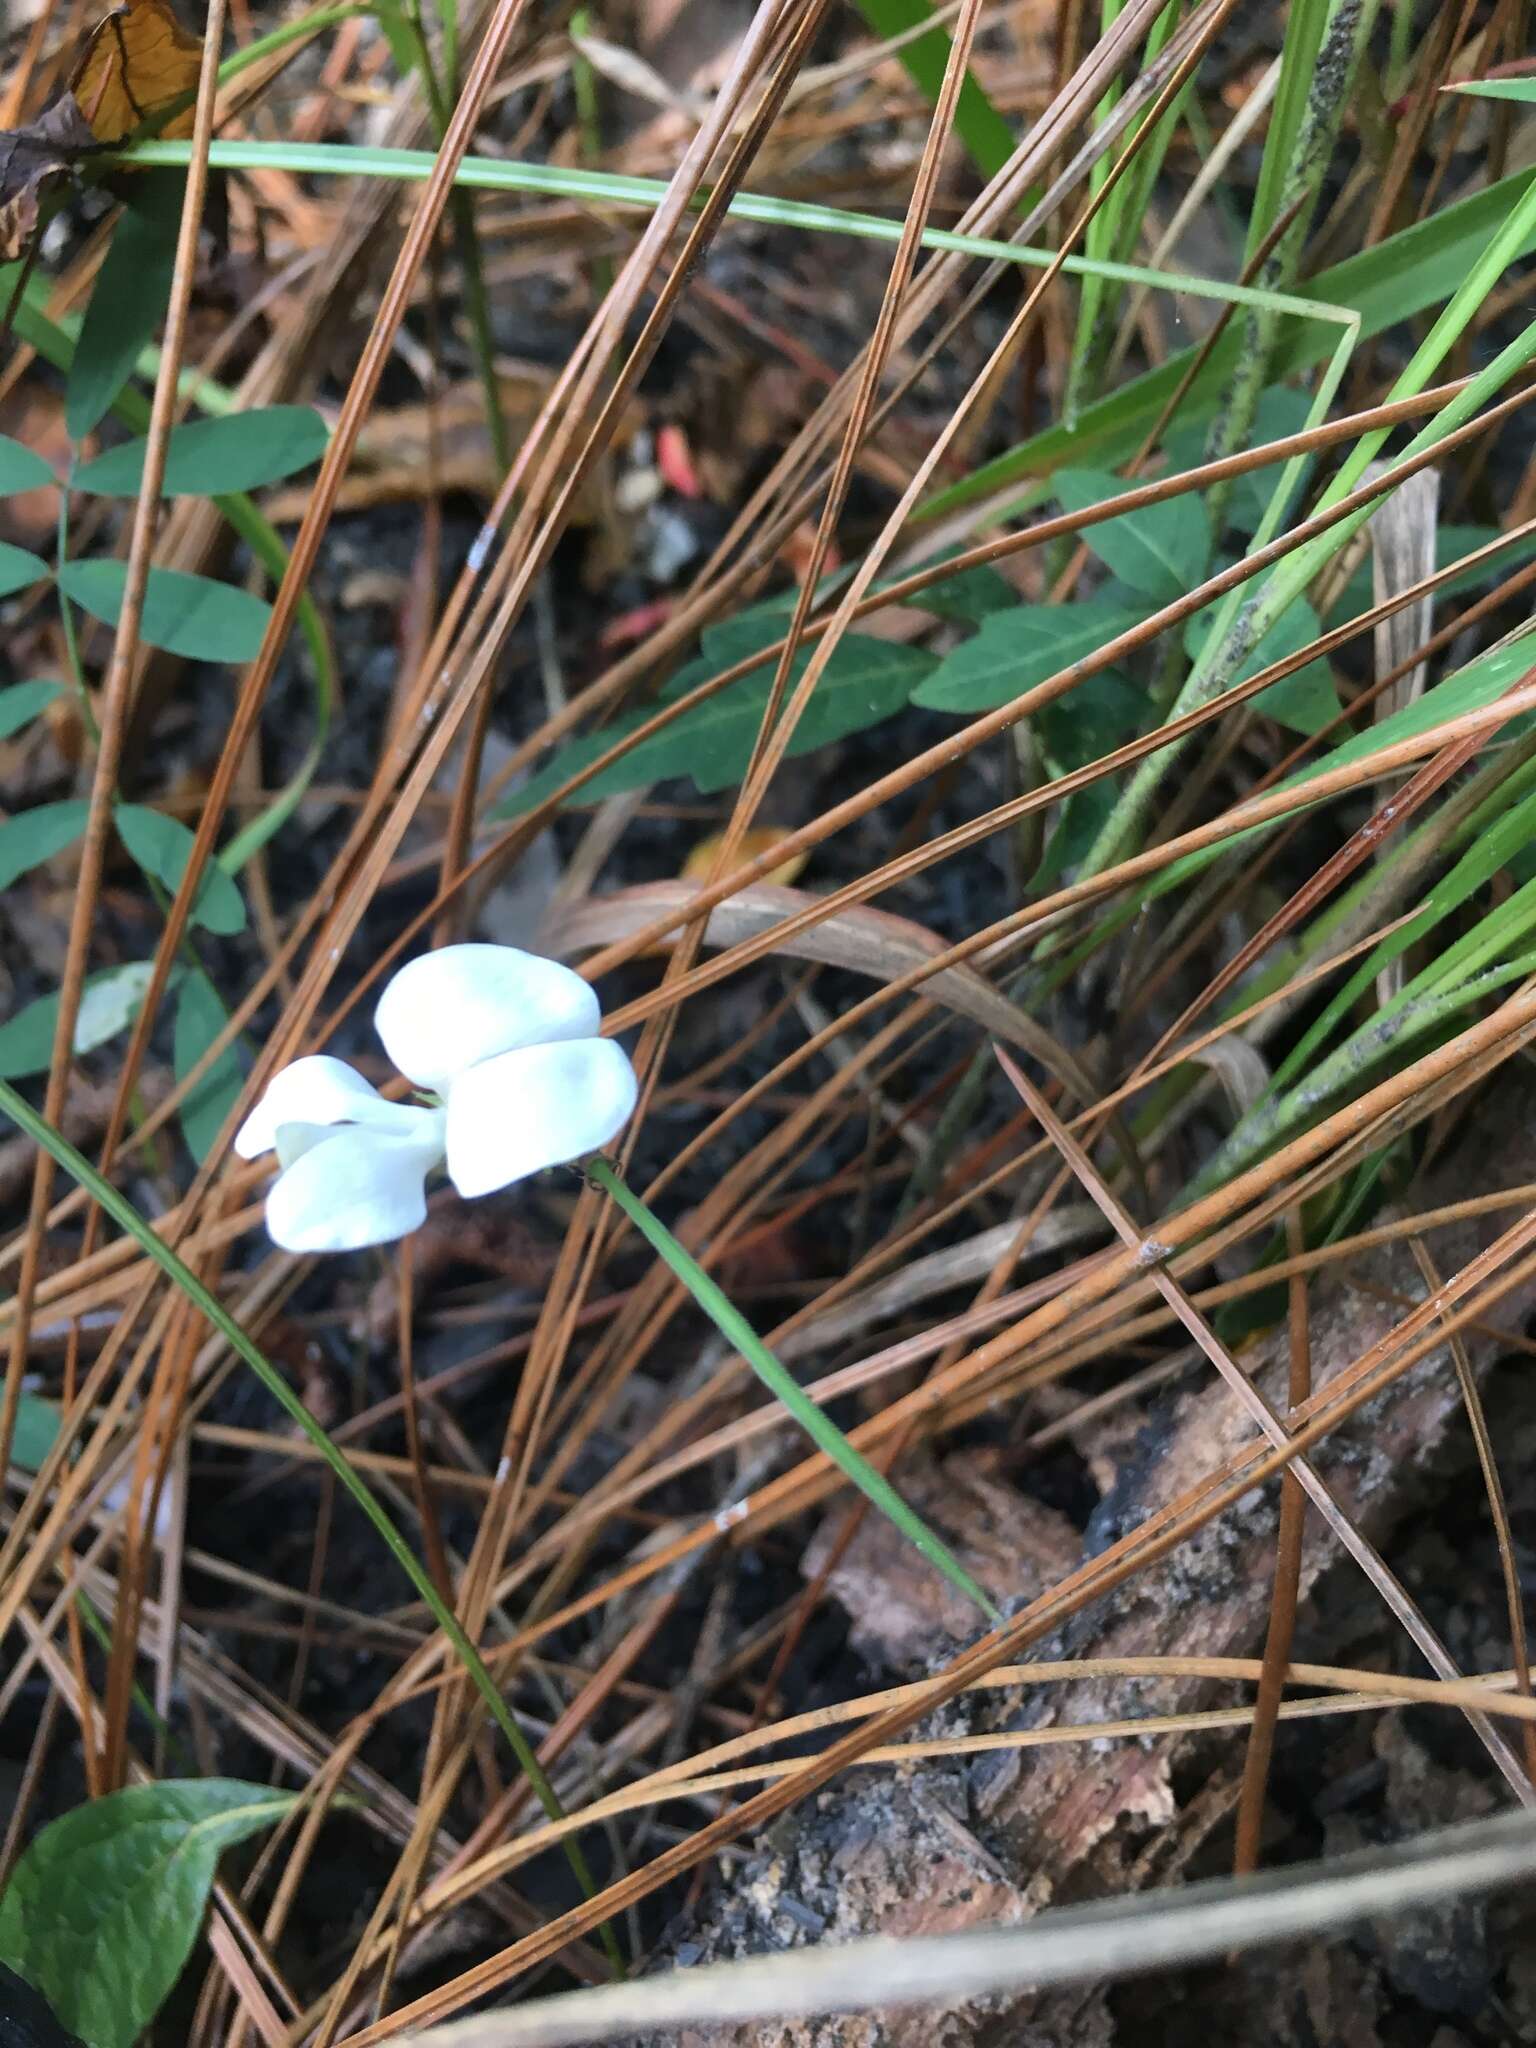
(612, 188)
(1304, 27)
(1395, 281)
(819, 1427)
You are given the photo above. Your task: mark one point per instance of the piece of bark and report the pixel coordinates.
(904, 1613)
(1070, 1823)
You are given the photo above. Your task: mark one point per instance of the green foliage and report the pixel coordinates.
(128, 303)
(1097, 715)
(162, 847)
(1159, 551)
(1306, 701)
(1388, 283)
(102, 1909)
(21, 469)
(1469, 689)
(22, 702)
(109, 1003)
(972, 595)
(1452, 542)
(865, 681)
(34, 836)
(37, 1431)
(207, 458)
(200, 1017)
(1082, 819)
(1016, 649)
(190, 615)
(19, 567)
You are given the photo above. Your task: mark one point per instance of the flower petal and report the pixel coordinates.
(536, 1107)
(357, 1187)
(444, 1012)
(317, 1090)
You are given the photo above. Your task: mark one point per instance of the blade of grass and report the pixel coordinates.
(1304, 26)
(490, 174)
(128, 1218)
(819, 1427)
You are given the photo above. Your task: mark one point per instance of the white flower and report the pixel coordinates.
(508, 1045)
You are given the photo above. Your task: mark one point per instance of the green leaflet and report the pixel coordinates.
(22, 702)
(1159, 551)
(200, 1017)
(21, 468)
(102, 1909)
(209, 458)
(1393, 281)
(1014, 650)
(190, 615)
(162, 846)
(865, 681)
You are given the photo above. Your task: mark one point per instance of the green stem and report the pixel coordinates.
(123, 1213)
(819, 1427)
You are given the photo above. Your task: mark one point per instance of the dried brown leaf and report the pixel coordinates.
(30, 158)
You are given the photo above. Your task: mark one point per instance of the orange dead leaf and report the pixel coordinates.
(140, 61)
(761, 839)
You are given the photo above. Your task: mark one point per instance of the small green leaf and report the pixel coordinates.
(200, 1017)
(162, 847)
(34, 836)
(865, 681)
(21, 703)
(1098, 715)
(109, 1003)
(19, 568)
(1016, 649)
(37, 1431)
(190, 615)
(1083, 817)
(26, 1040)
(970, 595)
(22, 468)
(128, 301)
(103, 1907)
(210, 458)
(1304, 702)
(1160, 551)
